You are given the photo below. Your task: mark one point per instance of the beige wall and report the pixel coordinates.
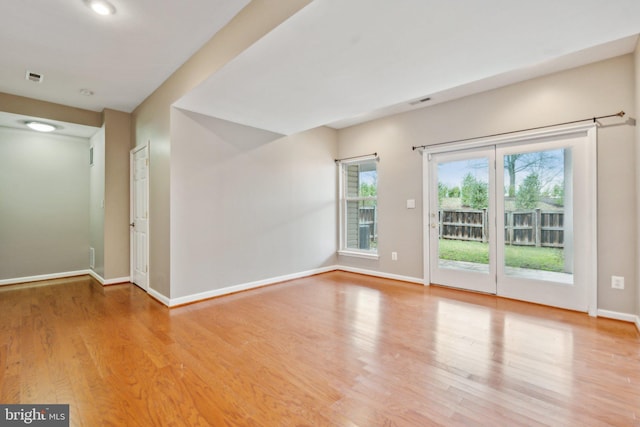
(48, 110)
(44, 210)
(117, 127)
(108, 226)
(151, 119)
(246, 207)
(598, 89)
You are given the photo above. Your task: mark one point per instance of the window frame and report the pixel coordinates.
(345, 199)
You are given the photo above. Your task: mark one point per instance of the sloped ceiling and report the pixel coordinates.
(339, 62)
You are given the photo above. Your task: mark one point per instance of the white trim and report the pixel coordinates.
(426, 222)
(245, 286)
(367, 255)
(514, 137)
(159, 297)
(588, 130)
(592, 274)
(117, 280)
(144, 146)
(638, 323)
(380, 274)
(625, 317)
(96, 276)
(38, 278)
(342, 207)
(107, 282)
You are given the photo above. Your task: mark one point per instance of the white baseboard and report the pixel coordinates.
(158, 296)
(638, 323)
(107, 282)
(188, 299)
(117, 281)
(40, 277)
(380, 274)
(625, 317)
(244, 287)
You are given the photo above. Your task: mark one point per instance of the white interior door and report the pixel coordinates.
(516, 217)
(140, 216)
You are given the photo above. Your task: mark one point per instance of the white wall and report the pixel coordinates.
(245, 207)
(151, 118)
(598, 89)
(96, 200)
(44, 214)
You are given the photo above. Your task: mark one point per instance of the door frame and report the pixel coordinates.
(587, 130)
(132, 153)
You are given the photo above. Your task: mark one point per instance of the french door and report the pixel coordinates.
(460, 221)
(516, 217)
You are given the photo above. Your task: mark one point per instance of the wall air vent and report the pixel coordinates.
(34, 77)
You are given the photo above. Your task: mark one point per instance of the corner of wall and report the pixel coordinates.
(637, 141)
(116, 198)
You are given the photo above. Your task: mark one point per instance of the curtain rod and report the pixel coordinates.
(620, 114)
(357, 157)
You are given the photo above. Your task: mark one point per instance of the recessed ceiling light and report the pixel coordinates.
(101, 7)
(40, 126)
(86, 92)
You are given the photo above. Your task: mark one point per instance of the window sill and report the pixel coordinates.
(357, 254)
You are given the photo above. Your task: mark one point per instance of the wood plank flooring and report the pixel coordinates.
(337, 349)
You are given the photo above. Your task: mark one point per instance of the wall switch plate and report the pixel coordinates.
(617, 282)
(394, 256)
(411, 204)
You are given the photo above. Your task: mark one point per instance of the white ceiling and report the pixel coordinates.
(122, 58)
(336, 62)
(340, 62)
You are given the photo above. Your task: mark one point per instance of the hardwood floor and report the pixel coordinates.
(336, 349)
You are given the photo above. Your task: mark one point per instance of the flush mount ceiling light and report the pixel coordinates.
(101, 7)
(40, 126)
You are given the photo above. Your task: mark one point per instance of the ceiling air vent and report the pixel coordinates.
(34, 77)
(420, 101)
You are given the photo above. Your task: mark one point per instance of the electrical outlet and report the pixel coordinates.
(394, 256)
(617, 282)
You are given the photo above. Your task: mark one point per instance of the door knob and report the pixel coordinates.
(133, 224)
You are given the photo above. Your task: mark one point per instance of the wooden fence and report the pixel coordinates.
(522, 228)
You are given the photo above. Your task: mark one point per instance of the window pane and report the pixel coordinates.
(361, 180)
(463, 215)
(353, 180)
(538, 215)
(360, 216)
(361, 225)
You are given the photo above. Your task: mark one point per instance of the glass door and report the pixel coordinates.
(517, 219)
(462, 229)
(543, 234)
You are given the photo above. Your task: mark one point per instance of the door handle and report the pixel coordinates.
(133, 224)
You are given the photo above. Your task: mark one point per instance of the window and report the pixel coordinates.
(359, 208)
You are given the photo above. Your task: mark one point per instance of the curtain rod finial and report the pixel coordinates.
(621, 113)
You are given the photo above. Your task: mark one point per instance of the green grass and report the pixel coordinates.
(547, 259)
